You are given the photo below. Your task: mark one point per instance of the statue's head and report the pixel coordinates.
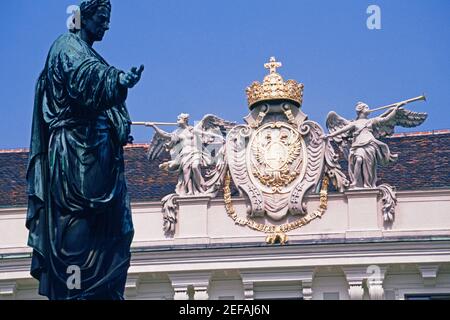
(183, 119)
(95, 17)
(362, 110)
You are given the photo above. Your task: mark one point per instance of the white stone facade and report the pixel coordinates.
(347, 254)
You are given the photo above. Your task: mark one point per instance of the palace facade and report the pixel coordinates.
(349, 253)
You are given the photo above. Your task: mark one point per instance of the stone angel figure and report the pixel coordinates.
(192, 149)
(358, 139)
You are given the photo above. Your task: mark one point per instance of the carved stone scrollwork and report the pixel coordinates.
(389, 201)
(248, 291)
(170, 209)
(307, 291)
(312, 133)
(333, 169)
(276, 165)
(376, 290)
(201, 293)
(236, 156)
(180, 293)
(355, 291)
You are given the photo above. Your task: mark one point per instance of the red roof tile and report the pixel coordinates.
(424, 163)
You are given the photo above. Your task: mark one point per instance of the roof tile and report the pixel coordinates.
(423, 163)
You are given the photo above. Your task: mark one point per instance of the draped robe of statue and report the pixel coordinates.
(78, 210)
(371, 151)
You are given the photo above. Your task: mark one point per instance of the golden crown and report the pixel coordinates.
(274, 87)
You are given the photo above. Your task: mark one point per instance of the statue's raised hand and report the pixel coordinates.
(401, 104)
(131, 78)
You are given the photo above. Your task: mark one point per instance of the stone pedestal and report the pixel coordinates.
(192, 217)
(363, 215)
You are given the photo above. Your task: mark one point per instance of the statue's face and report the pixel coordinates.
(363, 111)
(366, 110)
(98, 24)
(182, 121)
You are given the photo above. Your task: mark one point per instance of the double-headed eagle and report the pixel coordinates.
(275, 150)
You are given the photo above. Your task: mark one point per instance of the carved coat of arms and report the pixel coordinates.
(277, 157)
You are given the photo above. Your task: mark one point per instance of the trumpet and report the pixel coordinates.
(419, 98)
(155, 123)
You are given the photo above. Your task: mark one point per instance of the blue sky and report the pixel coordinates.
(201, 54)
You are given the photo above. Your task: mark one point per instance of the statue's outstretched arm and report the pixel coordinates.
(388, 116)
(342, 130)
(162, 133)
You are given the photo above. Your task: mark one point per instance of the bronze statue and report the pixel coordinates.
(79, 215)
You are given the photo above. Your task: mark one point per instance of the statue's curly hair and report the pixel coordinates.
(360, 106)
(89, 7)
(86, 10)
(184, 116)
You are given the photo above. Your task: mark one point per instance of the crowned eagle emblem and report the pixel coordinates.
(276, 156)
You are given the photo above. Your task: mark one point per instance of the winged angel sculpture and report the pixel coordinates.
(358, 139)
(194, 150)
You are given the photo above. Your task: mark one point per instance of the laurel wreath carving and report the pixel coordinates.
(276, 234)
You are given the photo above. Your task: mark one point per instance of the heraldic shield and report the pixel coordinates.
(277, 158)
(275, 164)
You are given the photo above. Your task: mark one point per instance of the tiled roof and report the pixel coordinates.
(423, 163)
(146, 182)
(13, 166)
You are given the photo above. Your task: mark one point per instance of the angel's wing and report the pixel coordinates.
(215, 126)
(157, 146)
(383, 126)
(334, 123)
